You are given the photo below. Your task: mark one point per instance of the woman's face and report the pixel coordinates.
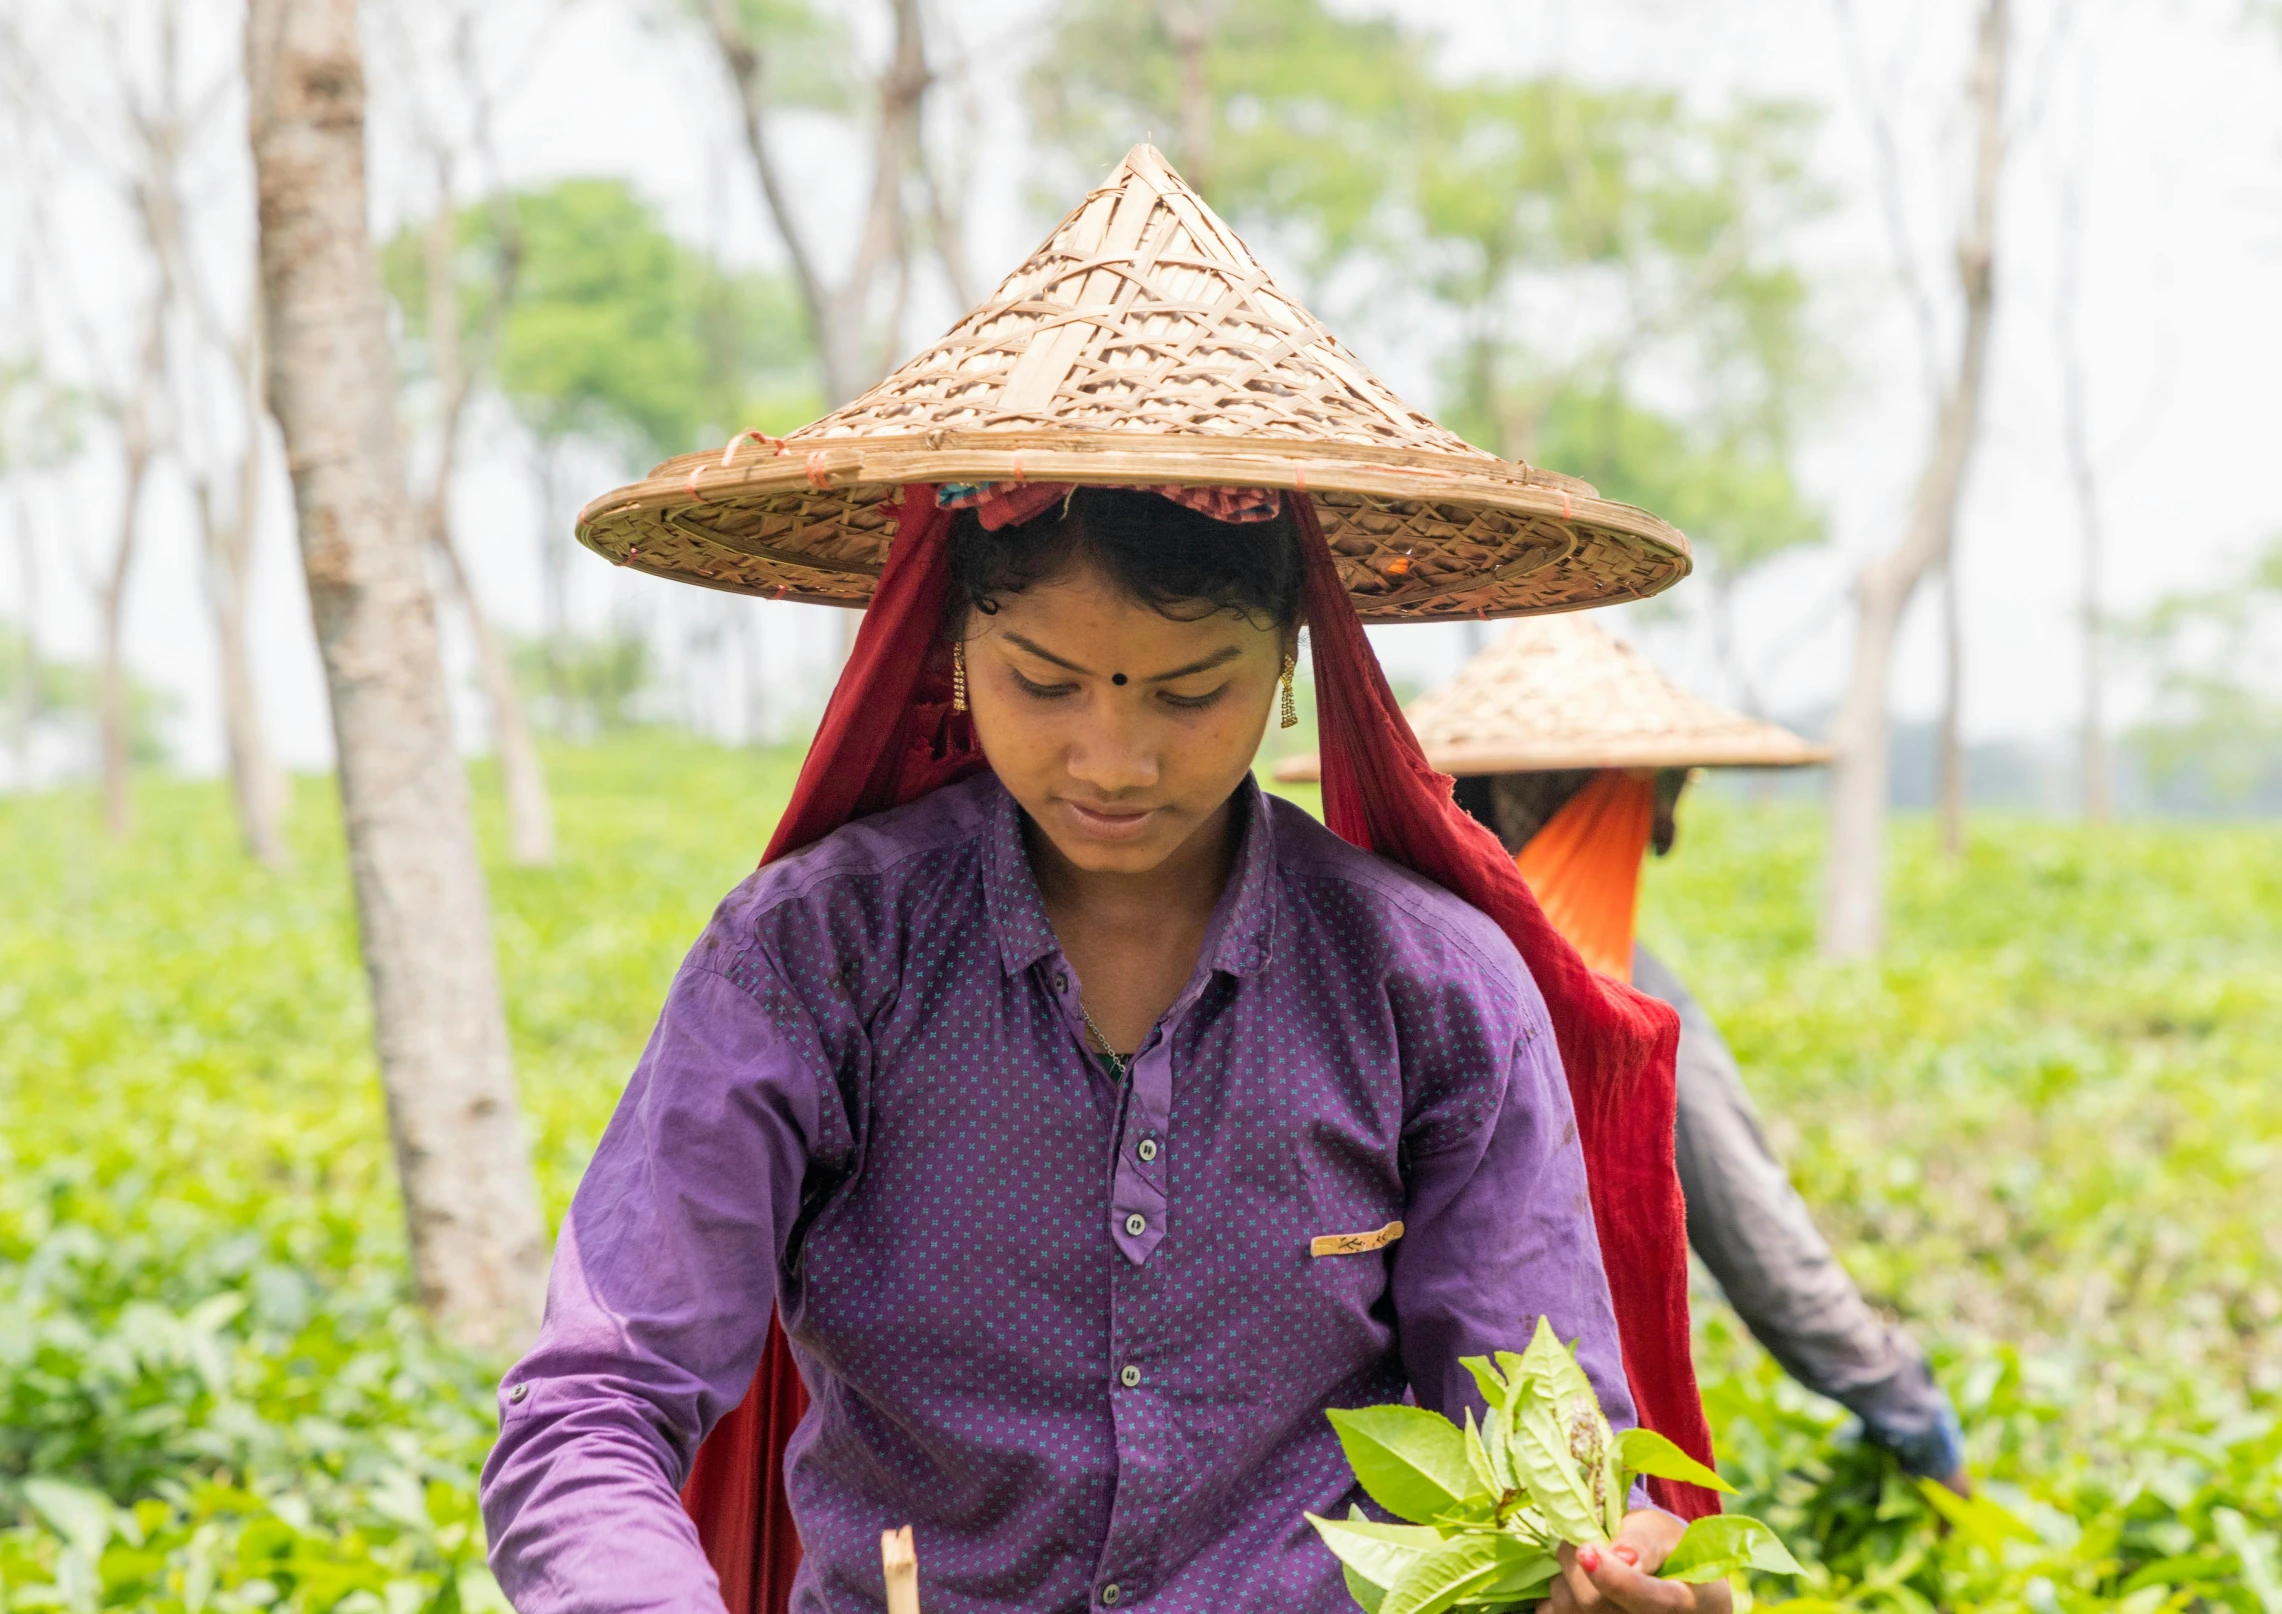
(1120, 730)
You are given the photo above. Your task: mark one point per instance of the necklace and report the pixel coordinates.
(1116, 1060)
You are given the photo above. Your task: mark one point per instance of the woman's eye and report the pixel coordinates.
(1044, 692)
(1191, 703)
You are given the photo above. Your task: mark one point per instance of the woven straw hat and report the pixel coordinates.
(1560, 693)
(1144, 344)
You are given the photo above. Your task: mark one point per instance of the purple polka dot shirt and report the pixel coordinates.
(1077, 1332)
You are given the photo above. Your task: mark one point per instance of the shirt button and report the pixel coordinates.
(1129, 1376)
(1136, 1224)
(1062, 981)
(1148, 1149)
(1110, 1594)
(518, 1392)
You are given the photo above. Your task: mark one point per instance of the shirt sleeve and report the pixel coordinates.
(1499, 1232)
(657, 1308)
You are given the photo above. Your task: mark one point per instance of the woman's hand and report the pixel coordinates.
(1622, 1575)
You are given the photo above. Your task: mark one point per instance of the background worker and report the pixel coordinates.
(1575, 750)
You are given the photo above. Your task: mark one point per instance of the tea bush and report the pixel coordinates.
(2037, 1129)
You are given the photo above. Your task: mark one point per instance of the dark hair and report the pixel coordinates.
(1164, 555)
(1517, 805)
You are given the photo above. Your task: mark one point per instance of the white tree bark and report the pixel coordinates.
(477, 1240)
(258, 784)
(1854, 887)
(138, 446)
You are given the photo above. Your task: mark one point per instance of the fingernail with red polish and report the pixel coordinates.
(1589, 1560)
(1630, 1555)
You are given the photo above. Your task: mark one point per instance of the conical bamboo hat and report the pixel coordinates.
(1143, 343)
(1560, 693)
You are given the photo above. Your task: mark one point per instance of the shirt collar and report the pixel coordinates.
(1243, 921)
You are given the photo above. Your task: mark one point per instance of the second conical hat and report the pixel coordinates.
(1144, 344)
(1560, 693)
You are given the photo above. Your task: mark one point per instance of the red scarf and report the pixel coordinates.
(1378, 792)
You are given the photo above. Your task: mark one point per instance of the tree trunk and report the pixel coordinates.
(1854, 888)
(522, 779)
(1952, 704)
(27, 692)
(2083, 480)
(257, 783)
(837, 315)
(478, 1243)
(1188, 24)
(136, 434)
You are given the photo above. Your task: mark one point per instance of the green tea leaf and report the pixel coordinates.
(1365, 1593)
(84, 1518)
(1560, 1443)
(1725, 1544)
(1527, 1575)
(1644, 1451)
(1487, 1379)
(2250, 1552)
(1983, 1522)
(1478, 1458)
(1462, 1567)
(1411, 1461)
(1377, 1554)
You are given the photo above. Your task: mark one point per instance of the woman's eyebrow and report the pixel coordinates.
(1225, 653)
(1043, 654)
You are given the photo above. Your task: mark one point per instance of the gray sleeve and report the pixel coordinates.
(1752, 1231)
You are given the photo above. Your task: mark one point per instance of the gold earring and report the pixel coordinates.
(958, 675)
(1291, 702)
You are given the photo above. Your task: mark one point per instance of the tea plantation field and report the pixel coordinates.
(2046, 1128)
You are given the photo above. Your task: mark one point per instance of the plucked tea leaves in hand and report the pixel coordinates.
(1491, 1503)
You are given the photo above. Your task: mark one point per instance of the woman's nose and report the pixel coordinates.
(1109, 754)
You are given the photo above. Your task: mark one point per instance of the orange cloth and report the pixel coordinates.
(1584, 865)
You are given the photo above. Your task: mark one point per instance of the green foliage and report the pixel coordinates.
(213, 1390)
(1735, 499)
(2218, 715)
(1489, 1506)
(63, 695)
(614, 330)
(586, 686)
(1616, 266)
(2041, 1128)
(1304, 109)
(40, 418)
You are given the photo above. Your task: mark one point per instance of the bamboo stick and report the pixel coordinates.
(899, 1560)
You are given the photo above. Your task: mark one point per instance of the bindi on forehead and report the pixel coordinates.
(1117, 679)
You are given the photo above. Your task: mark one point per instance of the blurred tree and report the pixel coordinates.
(1854, 883)
(1612, 266)
(194, 397)
(221, 455)
(2218, 710)
(606, 677)
(39, 428)
(1626, 312)
(478, 1241)
(61, 697)
(787, 55)
(1280, 112)
(607, 330)
(1734, 498)
(450, 94)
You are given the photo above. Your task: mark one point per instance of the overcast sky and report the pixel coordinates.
(2169, 116)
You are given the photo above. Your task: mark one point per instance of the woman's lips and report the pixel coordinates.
(1106, 824)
